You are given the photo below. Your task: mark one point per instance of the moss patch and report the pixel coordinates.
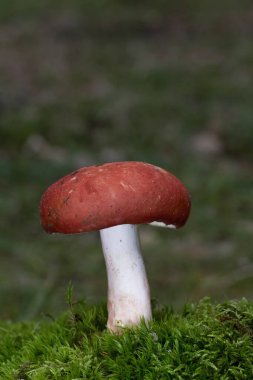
(205, 341)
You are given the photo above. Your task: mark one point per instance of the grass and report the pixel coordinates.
(96, 81)
(205, 341)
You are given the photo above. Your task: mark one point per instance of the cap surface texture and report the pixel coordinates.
(97, 197)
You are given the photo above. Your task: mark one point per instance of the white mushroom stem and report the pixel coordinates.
(128, 288)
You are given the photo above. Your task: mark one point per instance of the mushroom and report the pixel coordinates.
(113, 198)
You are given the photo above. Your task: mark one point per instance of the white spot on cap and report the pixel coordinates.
(127, 186)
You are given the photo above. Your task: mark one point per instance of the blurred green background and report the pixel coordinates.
(86, 82)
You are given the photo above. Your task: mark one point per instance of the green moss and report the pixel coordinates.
(205, 341)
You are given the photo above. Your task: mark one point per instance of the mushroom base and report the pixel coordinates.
(128, 288)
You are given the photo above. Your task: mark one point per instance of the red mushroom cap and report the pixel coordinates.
(97, 197)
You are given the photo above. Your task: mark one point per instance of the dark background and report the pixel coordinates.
(87, 82)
